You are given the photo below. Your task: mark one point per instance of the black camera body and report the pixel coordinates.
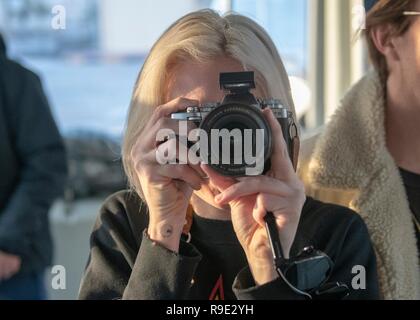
(240, 110)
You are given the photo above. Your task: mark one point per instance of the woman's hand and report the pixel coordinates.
(167, 188)
(280, 192)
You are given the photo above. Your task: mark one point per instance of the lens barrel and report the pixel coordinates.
(240, 150)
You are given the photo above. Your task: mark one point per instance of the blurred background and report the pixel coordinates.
(89, 68)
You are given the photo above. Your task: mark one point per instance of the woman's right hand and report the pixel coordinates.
(167, 188)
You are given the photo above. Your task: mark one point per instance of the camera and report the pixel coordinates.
(241, 112)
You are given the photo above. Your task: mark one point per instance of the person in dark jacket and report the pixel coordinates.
(33, 172)
(187, 232)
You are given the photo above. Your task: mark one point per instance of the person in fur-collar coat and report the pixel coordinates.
(368, 158)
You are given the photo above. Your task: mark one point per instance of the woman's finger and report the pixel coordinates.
(250, 186)
(164, 129)
(259, 212)
(181, 172)
(161, 116)
(219, 181)
(178, 104)
(281, 164)
(172, 152)
(270, 203)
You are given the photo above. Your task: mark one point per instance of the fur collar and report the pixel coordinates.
(352, 154)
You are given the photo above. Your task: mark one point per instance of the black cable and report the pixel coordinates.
(277, 251)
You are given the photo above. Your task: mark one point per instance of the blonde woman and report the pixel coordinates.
(369, 156)
(138, 250)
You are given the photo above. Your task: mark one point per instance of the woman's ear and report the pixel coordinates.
(384, 41)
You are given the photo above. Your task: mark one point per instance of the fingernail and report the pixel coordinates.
(218, 198)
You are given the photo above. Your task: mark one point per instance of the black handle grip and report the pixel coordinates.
(274, 239)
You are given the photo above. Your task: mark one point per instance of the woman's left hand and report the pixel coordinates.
(279, 191)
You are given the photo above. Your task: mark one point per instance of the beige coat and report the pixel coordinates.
(350, 165)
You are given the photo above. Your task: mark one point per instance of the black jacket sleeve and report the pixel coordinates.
(41, 163)
(116, 270)
(355, 260)
(160, 274)
(246, 289)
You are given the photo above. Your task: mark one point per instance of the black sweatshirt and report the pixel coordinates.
(411, 182)
(125, 264)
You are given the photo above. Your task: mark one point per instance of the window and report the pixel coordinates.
(89, 68)
(286, 22)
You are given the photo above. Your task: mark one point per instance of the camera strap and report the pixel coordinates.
(295, 151)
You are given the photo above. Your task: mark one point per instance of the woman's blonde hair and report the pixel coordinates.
(202, 36)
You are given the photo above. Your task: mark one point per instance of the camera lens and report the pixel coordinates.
(238, 138)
